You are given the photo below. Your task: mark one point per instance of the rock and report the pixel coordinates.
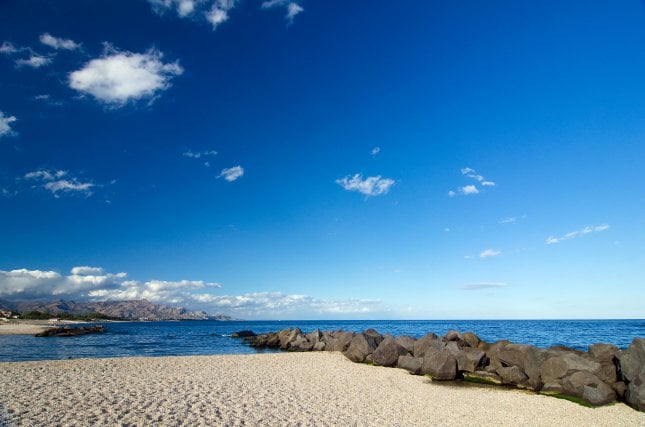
(482, 377)
(243, 334)
(258, 341)
(632, 369)
(550, 388)
(620, 388)
(440, 364)
(527, 358)
(557, 367)
(374, 336)
(314, 336)
(319, 346)
(71, 332)
(589, 387)
(603, 353)
(300, 343)
(337, 341)
(491, 353)
(273, 340)
(424, 343)
(472, 339)
(410, 363)
(452, 335)
(360, 347)
(388, 352)
(512, 375)
(406, 342)
(469, 359)
(284, 336)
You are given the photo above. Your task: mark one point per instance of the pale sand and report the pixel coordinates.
(268, 389)
(23, 327)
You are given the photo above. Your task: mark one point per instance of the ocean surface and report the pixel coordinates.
(213, 337)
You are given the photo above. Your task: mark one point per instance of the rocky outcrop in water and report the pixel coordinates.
(67, 331)
(599, 376)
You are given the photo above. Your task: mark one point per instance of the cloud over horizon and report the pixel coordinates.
(85, 283)
(118, 77)
(483, 285)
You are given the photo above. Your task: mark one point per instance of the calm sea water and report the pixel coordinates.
(213, 337)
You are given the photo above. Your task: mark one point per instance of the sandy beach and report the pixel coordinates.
(268, 389)
(24, 327)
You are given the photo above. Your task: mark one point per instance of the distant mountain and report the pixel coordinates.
(131, 310)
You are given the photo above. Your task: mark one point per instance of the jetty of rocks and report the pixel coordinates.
(599, 376)
(67, 331)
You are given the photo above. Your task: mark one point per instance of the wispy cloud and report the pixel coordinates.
(34, 61)
(218, 13)
(490, 253)
(370, 186)
(292, 7)
(59, 181)
(508, 220)
(586, 230)
(483, 285)
(231, 174)
(7, 48)
(375, 151)
(5, 125)
(198, 154)
(120, 76)
(471, 189)
(183, 8)
(58, 43)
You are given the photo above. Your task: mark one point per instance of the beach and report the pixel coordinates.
(268, 389)
(24, 327)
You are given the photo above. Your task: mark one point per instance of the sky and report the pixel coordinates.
(326, 159)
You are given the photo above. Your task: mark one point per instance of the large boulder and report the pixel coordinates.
(337, 341)
(589, 387)
(410, 363)
(300, 343)
(388, 352)
(406, 342)
(360, 347)
(472, 339)
(632, 368)
(557, 367)
(373, 335)
(426, 342)
(527, 357)
(314, 336)
(452, 335)
(469, 359)
(512, 375)
(285, 335)
(605, 354)
(440, 364)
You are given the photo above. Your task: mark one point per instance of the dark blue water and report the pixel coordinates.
(211, 337)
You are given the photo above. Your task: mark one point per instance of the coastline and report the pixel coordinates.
(32, 327)
(323, 388)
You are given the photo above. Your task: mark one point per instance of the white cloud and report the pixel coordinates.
(375, 151)
(488, 184)
(292, 8)
(573, 234)
(370, 186)
(120, 76)
(489, 253)
(509, 220)
(7, 48)
(183, 8)
(483, 285)
(469, 189)
(34, 61)
(58, 43)
(5, 124)
(451, 193)
(218, 13)
(53, 181)
(231, 174)
(85, 270)
(197, 154)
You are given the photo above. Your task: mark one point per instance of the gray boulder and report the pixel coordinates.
(388, 352)
(285, 336)
(337, 341)
(319, 346)
(410, 363)
(469, 359)
(527, 358)
(300, 343)
(512, 375)
(314, 336)
(605, 354)
(557, 367)
(452, 335)
(472, 339)
(424, 343)
(360, 346)
(440, 364)
(632, 367)
(589, 387)
(373, 335)
(406, 342)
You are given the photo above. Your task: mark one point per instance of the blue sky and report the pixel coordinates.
(326, 159)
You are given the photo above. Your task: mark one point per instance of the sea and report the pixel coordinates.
(206, 337)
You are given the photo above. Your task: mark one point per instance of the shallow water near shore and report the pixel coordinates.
(213, 337)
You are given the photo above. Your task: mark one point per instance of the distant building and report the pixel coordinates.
(5, 314)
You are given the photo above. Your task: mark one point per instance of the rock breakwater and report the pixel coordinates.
(599, 376)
